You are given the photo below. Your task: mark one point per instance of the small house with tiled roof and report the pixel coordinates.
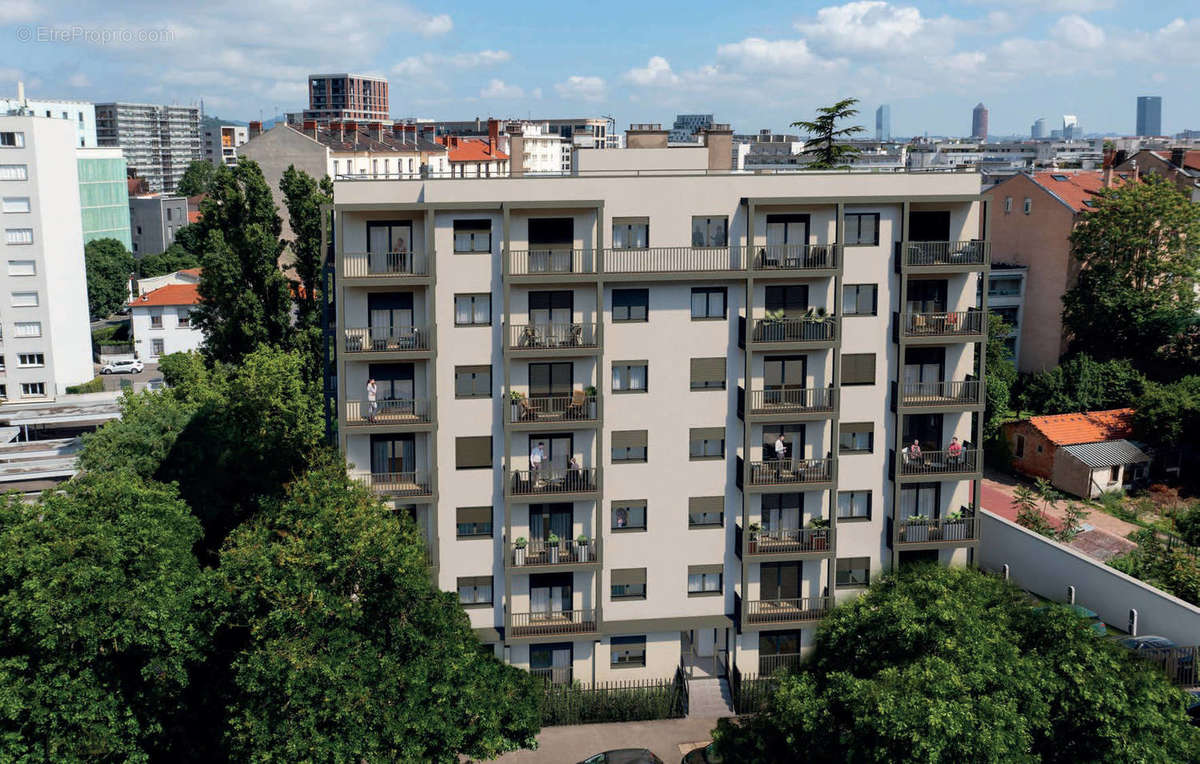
(1084, 453)
(1180, 166)
(161, 317)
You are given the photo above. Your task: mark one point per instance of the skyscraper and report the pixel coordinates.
(159, 142)
(1149, 115)
(337, 97)
(1072, 130)
(883, 123)
(1038, 130)
(979, 122)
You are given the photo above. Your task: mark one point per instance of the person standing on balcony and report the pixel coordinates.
(954, 451)
(536, 457)
(372, 404)
(914, 451)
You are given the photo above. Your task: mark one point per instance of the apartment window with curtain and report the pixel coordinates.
(710, 231)
(854, 505)
(24, 299)
(706, 443)
(856, 437)
(27, 329)
(156, 318)
(628, 584)
(472, 381)
(631, 305)
(475, 591)
(862, 228)
(473, 522)
(853, 572)
(627, 652)
(631, 233)
(16, 204)
(705, 580)
(629, 446)
(16, 236)
(472, 310)
(706, 511)
(708, 373)
(630, 376)
(14, 172)
(708, 303)
(471, 236)
(12, 140)
(629, 515)
(859, 299)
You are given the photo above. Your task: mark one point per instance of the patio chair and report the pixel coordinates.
(575, 407)
(529, 337)
(576, 335)
(529, 412)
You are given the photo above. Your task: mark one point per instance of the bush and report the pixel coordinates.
(95, 386)
(1082, 384)
(613, 702)
(1187, 524)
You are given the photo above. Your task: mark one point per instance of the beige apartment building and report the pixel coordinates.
(657, 414)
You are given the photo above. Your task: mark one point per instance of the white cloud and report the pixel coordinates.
(12, 11)
(428, 63)
(79, 80)
(656, 72)
(435, 26)
(755, 54)
(1079, 33)
(582, 87)
(868, 26)
(500, 89)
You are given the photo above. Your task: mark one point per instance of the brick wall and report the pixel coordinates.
(1033, 462)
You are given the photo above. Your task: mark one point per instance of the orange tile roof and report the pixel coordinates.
(171, 294)
(193, 216)
(1085, 426)
(1074, 188)
(472, 150)
(190, 271)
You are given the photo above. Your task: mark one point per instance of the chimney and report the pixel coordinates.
(254, 130)
(375, 130)
(20, 94)
(1108, 176)
(411, 133)
(350, 131)
(718, 138)
(337, 130)
(1177, 156)
(494, 135)
(646, 136)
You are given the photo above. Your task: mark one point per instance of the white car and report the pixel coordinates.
(122, 367)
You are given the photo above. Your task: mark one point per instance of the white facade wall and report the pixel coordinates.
(80, 113)
(174, 336)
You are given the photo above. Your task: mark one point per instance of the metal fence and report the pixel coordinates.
(624, 701)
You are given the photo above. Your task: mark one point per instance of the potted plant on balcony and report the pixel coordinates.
(519, 551)
(581, 547)
(917, 529)
(771, 327)
(954, 527)
(820, 541)
(552, 542)
(753, 529)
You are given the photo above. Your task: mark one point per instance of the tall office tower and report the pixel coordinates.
(159, 142)
(883, 123)
(687, 127)
(1149, 115)
(979, 122)
(104, 195)
(1038, 131)
(347, 97)
(650, 418)
(1071, 129)
(47, 343)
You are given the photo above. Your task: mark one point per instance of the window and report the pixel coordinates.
(627, 651)
(170, 214)
(631, 305)
(156, 318)
(28, 329)
(629, 515)
(708, 303)
(629, 446)
(18, 235)
(472, 310)
(3, 391)
(184, 320)
(12, 140)
(862, 228)
(630, 377)
(24, 299)
(157, 347)
(631, 234)
(854, 505)
(710, 231)
(858, 368)
(1028, 205)
(473, 452)
(856, 438)
(708, 373)
(853, 571)
(475, 591)
(859, 299)
(629, 584)
(27, 360)
(14, 172)
(1114, 474)
(33, 388)
(1007, 204)
(704, 580)
(22, 268)
(16, 204)
(473, 522)
(471, 235)
(706, 443)
(1019, 450)
(472, 381)
(706, 511)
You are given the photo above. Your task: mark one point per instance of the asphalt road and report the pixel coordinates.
(113, 381)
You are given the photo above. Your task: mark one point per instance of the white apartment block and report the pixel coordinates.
(159, 142)
(645, 418)
(80, 113)
(45, 340)
(221, 143)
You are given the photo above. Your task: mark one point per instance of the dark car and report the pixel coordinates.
(1148, 642)
(624, 756)
(705, 755)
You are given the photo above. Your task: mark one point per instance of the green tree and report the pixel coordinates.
(951, 665)
(244, 297)
(1000, 374)
(109, 266)
(303, 197)
(824, 134)
(1139, 251)
(1164, 413)
(1173, 570)
(1082, 383)
(175, 258)
(103, 609)
(1029, 510)
(350, 652)
(197, 178)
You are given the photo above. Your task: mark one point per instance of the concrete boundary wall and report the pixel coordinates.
(1047, 568)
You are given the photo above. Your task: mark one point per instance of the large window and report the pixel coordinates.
(629, 515)
(708, 303)
(710, 231)
(33, 389)
(631, 305)
(630, 377)
(473, 452)
(29, 360)
(472, 310)
(16, 236)
(853, 572)
(28, 328)
(12, 140)
(472, 381)
(24, 299)
(14, 172)
(706, 443)
(854, 505)
(629, 446)
(708, 373)
(472, 236)
(856, 438)
(15, 204)
(858, 368)
(475, 591)
(706, 511)
(473, 522)
(629, 584)
(632, 233)
(859, 299)
(704, 580)
(627, 651)
(862, 228)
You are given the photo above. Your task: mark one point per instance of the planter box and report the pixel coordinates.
(519, 556)
(916, 532)
(955, 530)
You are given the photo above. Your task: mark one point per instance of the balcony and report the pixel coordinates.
(785, 474)
(553, 482)
(769, 664)
(416, 483)
(804, 333)
(552, 623)
(663, 260)
(388, 340)
(791, 403)
(551, 264)
(947, 256)
(940, 465)
(537, 412)
(388, 413)
(554, 675)
(799, 610)
(938, 327)
(941, 395)
(794, 259)
(553, 339)
(937, 532)
(384, 266)
(539, 553)
(798, 542)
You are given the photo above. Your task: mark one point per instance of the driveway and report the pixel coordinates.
(669, 739)
(114, 381)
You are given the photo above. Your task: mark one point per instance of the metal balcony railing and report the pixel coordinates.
(547, 482)
(791, 540)
(388, 339)
(791, 472)
(559, 336)
(388, 412)
(673, 259)
(921, 531)
(550, 261)
(415, 483)
(951, 393)
(941, 324)
(964, 461)
(769, 664)
(794, 330)
(554, 675)
(556, 408)
(788, 610)
(539, 552)
(792, 257)
(793, 400)
(552, 622)
(366, 264)
(933, 253)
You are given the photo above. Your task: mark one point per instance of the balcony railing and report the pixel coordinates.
(788, 610)
(550, 261)
(557, 408)
(932, 253)
(552, 622)
(539, 552)
(953, 324)
(383, 264)
(388, 412)
(1180, 664)
(793, 400)
(965, 461)
(547, 482)
(559, 675)
(673, 259)
(793, 257)
(552, 336)
(791, 472)
(414, 483)
(769, 664)
(791, 540)
(794, 329)
(932, 394)
(388, 339)
(922, 531)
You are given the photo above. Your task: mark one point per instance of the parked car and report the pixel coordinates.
(1148, 642)
(158, 383)
(705, 755)
(624, 756)
(124, 366)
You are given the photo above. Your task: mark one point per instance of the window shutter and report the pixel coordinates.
(475, 451)
(707, 433)
(474, 515)
(696, 570)
(858, 427)
(617, 503)
(708, 370)
(699, 504)
(629, 439)
(853, 563)
(629, 577)
(858, 368)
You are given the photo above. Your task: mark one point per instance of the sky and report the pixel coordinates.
(760, 65)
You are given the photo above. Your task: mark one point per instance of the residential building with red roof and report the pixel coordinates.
(1084, 453)
(475, 158)
(161, 317)
(1180, 166)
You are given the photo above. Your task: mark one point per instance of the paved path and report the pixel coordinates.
(1104, 538)
(670, 739)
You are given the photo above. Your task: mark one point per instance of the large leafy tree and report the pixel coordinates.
(103, 616)
(174, 258)
(1171, 569)
(1165, 413)
(950, 665)
(109, 266)
(1000, 375)
(303, 197)
(350, 653)
(1082, 383)
(824, 134)
(1139, 251)
(197, 178)
(245, 298)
